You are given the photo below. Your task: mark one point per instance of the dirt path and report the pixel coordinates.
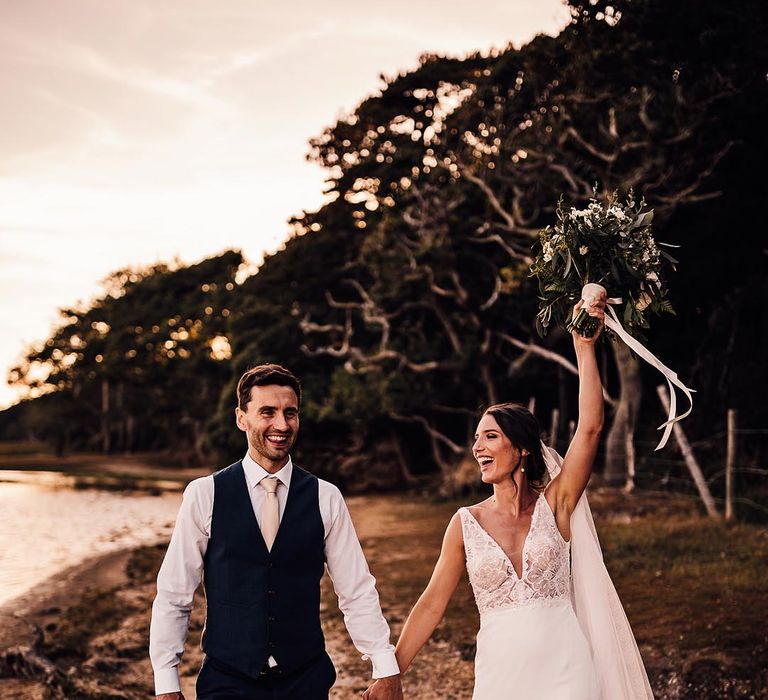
(401, 545)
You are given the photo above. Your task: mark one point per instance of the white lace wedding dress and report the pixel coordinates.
(530, 645)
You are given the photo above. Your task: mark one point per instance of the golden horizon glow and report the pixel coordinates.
(142, 132)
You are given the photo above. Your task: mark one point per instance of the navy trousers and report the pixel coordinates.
(217, 681)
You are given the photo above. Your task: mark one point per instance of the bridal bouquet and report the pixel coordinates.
(609, 245)
(606, 248)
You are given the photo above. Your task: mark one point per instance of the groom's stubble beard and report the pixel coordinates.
(257, 441)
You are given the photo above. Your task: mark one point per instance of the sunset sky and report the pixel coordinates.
(135, 131)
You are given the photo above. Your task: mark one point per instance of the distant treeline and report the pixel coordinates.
(405, 303)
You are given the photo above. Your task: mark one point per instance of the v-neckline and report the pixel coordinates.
(501, 549)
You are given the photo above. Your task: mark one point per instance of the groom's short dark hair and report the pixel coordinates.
(265, 375)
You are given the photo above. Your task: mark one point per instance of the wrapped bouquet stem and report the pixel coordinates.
(583, 323)
(607, 248)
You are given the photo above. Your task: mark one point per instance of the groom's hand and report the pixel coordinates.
(388, 688)
(169, 696)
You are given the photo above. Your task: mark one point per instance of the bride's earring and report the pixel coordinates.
(524, 454)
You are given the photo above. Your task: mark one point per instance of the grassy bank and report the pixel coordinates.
(694, 591)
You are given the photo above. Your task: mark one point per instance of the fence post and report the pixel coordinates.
(730, 460)
(690, 459)
(553, 427)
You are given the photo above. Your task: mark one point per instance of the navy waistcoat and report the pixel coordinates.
(262, 603)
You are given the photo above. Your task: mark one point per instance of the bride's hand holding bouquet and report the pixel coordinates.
(592, 309)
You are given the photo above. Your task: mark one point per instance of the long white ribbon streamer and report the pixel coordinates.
(612, 322)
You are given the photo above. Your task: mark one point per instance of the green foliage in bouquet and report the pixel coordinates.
(609, 244)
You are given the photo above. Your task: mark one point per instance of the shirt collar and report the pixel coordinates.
(254, 472)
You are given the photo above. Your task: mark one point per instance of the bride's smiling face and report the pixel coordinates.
(494, 451)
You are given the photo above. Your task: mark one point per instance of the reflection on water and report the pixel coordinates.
(46, 526)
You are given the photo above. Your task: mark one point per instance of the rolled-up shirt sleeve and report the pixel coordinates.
(177, 581)
(355, 587)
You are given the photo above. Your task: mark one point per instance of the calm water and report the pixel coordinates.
(47, 526)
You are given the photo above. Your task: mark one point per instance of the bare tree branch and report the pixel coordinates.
(508, 218)
(432, 431)
(308, 326)
(491, 300)
(686, 194)
(541, 352)
(613, 130)
(552, 357)
(496, 238)
(329, 350)
(357, 360)
(450, 331)
(490, 386)
(592, 150)
(645, 98)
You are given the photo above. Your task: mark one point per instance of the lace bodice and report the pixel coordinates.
(546, 570)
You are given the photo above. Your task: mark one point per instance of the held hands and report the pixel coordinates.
(388, 688)
(595, 309)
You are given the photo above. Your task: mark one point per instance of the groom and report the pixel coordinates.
(260, 534)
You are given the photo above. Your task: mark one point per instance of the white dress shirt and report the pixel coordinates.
(182, 570)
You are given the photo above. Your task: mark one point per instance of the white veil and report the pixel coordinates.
(601, 616)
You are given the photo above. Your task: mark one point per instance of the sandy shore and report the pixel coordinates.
(103, 572)
(24, 619)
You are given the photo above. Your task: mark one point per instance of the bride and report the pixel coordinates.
(547, 631)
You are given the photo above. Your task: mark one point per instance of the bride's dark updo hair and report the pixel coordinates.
(524, 432)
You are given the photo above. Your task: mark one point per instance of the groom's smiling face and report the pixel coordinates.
(270, 421)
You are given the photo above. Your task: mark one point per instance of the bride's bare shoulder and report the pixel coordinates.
(476, 508)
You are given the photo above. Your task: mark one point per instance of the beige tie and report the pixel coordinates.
(270, 511)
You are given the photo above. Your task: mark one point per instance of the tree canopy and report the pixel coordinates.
(405, 302)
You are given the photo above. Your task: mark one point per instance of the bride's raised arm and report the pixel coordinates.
(566, 488)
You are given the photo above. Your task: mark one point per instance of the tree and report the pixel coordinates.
(456, 155)
(139, 367)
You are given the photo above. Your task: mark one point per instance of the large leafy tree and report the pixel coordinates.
(140, 367)
(425, 315)
(455, 166)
